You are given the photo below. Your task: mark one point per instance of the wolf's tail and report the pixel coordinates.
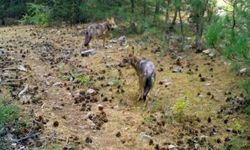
(148, 85)
(87, 38)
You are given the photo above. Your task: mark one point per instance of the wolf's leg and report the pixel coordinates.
(104, 40)
(140, 88)
(143, 86)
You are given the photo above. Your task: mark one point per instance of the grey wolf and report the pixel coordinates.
(98, 30)
(145, 70)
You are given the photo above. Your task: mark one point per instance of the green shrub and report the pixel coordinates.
(237, 143)
(246, 88)
(8, 112)
(37, 14)
(213, 33)
(83, 79)
(237, 127)
(8, 116)
(238, 50)
(179, 108)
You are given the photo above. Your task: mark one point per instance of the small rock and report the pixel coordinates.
(88, 52)
(21, 68)
(145, 136)
(242, 71)
(122, 40)
(207, 51)
(58, 84)
(171, 146)
(176, 69)
(166, 82)
(212, 54)
(91, 91)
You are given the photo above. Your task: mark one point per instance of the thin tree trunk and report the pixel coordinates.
(234, 19)
(199, 27)
(167, 11)
(157, 10)
(182, 34)
(132, 6)
(174, 19)
(144, 8)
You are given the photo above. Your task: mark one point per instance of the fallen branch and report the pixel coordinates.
(24, 138)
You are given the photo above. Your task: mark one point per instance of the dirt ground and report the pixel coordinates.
(90, 102)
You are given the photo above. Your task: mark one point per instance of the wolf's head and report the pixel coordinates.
(111, 23)
(132, 59)
(87, 37)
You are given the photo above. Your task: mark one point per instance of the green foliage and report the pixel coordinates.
(14, 8)
(246, 88)
(83, 79)
(148, 120)
(8, 116)
(238, 50)
(237, 143)
(37, 14)
(213, 33)
(179, 108)
(247, 110)
(8, 112)
(237, 127)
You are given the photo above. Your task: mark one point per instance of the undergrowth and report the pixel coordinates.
(9, 115)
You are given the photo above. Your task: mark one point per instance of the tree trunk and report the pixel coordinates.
(157, 10)
(199, 27)
(167, 10)
(198, 43)
(132, 6)
(182, 34)
(144, 8)
(234, 19)
(174, 19)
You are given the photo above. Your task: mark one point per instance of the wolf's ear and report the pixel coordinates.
(109, 19)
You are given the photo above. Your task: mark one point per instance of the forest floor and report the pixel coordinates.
(90, 102)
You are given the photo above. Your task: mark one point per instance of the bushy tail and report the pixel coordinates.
(148, 86)
(87, 38)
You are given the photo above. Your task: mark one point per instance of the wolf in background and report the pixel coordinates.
(98, 30)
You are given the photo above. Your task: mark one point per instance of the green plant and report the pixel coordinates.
(148, 120)
(8, 116)
(247, 110)
(179, 108)
(237, 143)
(83, 79)
(8, 112)
(246, 88)
(37, 14)
(213, 33)
(237, 127)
